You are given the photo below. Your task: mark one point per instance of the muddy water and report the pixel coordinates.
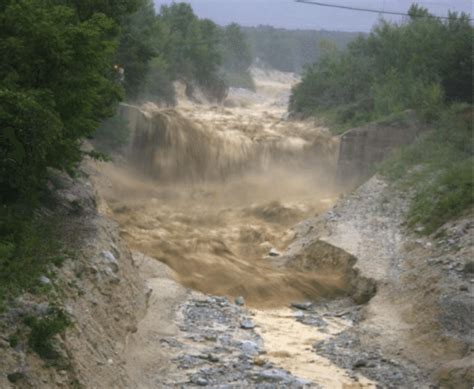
(289, 343)
(213, 193)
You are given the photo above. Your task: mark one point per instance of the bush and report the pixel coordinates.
(43, 330)
(29, 246)
(447, 196)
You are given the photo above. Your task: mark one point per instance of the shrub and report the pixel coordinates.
(43, 330)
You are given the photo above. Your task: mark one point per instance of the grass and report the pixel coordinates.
(438, 167)
(43, 331)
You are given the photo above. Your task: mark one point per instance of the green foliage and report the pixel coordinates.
(112, 135)
(438, 167)
(191, 46)
(140, 41)
(237, 57)
(448, 196)
(26, 242)
(43, 331)
(157, 49)
(394, 93)
(113, 9)
(159, 86)
(417, 65)
(56, 86)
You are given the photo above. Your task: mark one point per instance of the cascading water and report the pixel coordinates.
(222, 185)
(169, 147)
(214, 191)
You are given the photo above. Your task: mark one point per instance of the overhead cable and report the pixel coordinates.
(363, 9)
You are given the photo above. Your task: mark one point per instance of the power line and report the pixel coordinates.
(362, 9)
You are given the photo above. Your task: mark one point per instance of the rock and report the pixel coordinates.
(306, 306)
(273, 253)
(298, 315)
(457, 374)
(359, 363)
(469, 267)
(274, 375)
(212, 358)
(249, 347)
(259, 361)
(247, 324)
(240, 300)
(201, 381)
(15, 377)
(45, 280)
(110, 259)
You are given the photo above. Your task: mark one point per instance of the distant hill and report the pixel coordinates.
(290, 50)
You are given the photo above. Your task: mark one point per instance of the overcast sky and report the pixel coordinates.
(292, 15)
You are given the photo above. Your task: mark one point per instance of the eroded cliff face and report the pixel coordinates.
(100, 291)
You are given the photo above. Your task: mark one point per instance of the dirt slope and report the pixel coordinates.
(421, 316)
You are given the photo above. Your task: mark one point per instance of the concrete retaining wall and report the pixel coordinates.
(363, 147)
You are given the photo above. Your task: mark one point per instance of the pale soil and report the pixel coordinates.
(408, 317)
(147, 360)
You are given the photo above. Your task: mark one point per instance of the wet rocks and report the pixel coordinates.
(247, 324)
(249, 348)
(274, 375)
(220, 348)
(347, 351)
(306, 306)
(201, 381)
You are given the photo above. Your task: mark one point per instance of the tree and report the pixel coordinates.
(58, 70)
(237, 56)
(141, 39)
(412, 65)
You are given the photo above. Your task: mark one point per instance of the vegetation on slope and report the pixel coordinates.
(424, 64)
(439, 168)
